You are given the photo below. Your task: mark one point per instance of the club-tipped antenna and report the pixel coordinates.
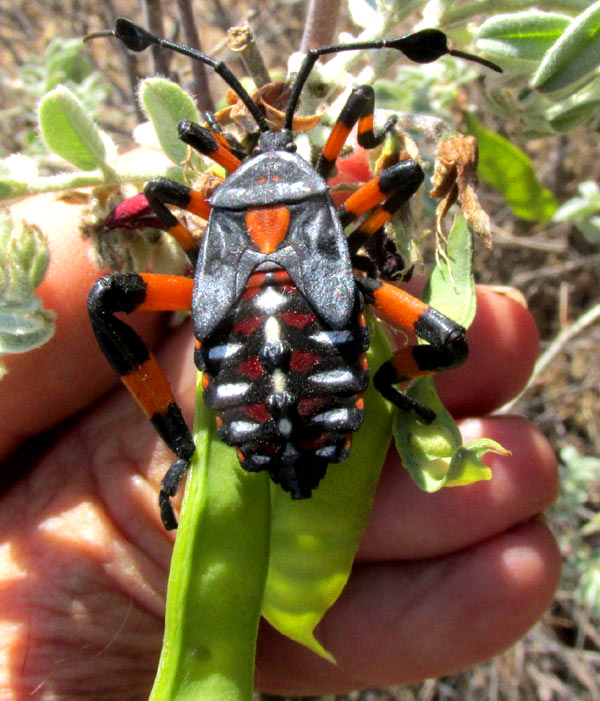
(424, 46)
(136, 38)
(475, 59)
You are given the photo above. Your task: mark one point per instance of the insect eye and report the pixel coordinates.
(319, 90)
(290, 146)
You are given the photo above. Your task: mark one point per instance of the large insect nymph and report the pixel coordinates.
(279, 289)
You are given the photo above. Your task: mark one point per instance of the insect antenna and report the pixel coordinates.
(136, 38)
(424, 46)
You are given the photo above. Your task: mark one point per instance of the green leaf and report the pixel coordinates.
(433, 453)
(521, 38)
(451, 287)
(314, 541)
(466, 466)
(17, 171)
(574, 55)
(567, 115)
(217, 576)
(590, 230)
(509, 170)
(585, 204)
(68, 130)
(166, 104)
(24, 323)
(426, 449)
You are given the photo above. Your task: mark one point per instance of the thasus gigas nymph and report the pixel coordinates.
(277, 309)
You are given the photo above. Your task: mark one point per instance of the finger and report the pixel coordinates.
(401, 622)
(66, 374)
(503, 348)
(408, 523)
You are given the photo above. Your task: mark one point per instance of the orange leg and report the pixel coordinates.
(161, 192)
(135, 364)
(359, 108)
(447, 344)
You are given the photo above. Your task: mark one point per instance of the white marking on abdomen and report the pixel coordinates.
(272, 330)
(278, 380)
(234, 389)
(334, 377)
(269, 300)
(226, 350)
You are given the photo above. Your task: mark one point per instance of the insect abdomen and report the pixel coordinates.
(285, 387)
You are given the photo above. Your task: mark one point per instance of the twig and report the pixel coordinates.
(559, 269)
(128, 59)
(557, 345)
(320, 25)
(240, 40)
(190, 34)
(159, 60)
(505, 237)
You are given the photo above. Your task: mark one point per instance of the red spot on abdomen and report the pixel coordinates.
(297, 319)
(251, 368)
(302, 361)
(310, 405)
(257, 412)
(248, 325)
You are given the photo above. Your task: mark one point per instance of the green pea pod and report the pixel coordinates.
(217, 576)
(314, 541)
(166, 104)
(573, 56)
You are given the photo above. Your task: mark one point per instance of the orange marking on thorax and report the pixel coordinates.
(256, 280)
(267, 226)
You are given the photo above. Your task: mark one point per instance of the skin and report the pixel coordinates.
(441, 581)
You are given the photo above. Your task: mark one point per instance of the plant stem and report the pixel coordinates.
(154, 21)
(320, 25)
(190, 34)
(70, 181)
(240, 40)
(128, 59)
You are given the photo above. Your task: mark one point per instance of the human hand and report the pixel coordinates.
(441, 581)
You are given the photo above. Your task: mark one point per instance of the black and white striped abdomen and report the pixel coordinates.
(286, 388)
